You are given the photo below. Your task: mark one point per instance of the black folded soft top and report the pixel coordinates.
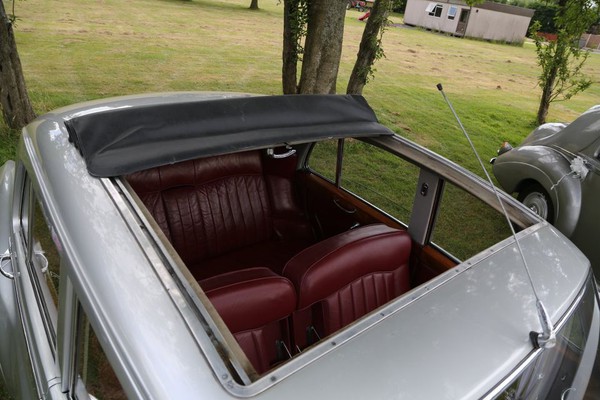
(123, 140)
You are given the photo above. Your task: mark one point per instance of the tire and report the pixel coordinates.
(535, 197)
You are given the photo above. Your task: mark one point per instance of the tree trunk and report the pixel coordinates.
(369, 47)
(323, 47)
(546, 98)
(254, 5)
(289, 71)
(14, 101)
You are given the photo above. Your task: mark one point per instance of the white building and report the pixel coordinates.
(490, 21)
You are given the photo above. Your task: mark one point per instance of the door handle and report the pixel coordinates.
(344, 209)
(3, 257)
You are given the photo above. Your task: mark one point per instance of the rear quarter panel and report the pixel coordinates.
(546, 167)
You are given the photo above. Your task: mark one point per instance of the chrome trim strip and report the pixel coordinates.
(118, 192)
(199, 322)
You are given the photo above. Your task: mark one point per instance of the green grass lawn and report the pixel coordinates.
(75, 50)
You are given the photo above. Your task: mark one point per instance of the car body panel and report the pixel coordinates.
(546, 157)
(545, 166)
(573, 137)
(444, 315)
(110, 275)
(15, 364)
(460, 335)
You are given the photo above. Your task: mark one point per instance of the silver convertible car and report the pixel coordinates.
(221, 246)
(556, 173)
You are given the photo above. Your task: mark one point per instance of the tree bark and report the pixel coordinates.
(323, 47)
(254, 5)
(289, 71)
(14, 100)
(547, 92)
(369, 47)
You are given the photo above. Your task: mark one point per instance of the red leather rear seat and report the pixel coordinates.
(226, 212)
(345, 277)
(255, 305)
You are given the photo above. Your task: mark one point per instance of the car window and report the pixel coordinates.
(486, 226)
(323, 159)
(376, 176)
(94, 375)
(380, 178)
(94, 371)
(42, 257)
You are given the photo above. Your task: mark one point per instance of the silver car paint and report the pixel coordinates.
(15, 364)
(456, 341)
(107, 263)
(455, 338)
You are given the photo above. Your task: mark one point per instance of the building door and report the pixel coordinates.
(461, 27)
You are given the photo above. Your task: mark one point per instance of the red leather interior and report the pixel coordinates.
(214, 207)
(342, 278)
(254, 304)
(235, 222)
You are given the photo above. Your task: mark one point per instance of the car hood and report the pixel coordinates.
(459, 336)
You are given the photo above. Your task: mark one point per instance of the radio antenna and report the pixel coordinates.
(546, 338)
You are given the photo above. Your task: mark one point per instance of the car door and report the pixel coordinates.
(343, 189)
(32, 322)
(350, 182)
(15, 363)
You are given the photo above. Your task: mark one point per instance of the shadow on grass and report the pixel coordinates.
(216, 5)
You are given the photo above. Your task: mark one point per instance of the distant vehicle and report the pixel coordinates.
(556, 173)
(357, 4)
(225, 246)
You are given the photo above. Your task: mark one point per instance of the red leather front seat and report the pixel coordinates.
(345, 277)
(255, 304)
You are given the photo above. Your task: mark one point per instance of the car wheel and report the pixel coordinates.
(535, 197)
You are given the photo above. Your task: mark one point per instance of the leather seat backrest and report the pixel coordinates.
(208, 207)
(344, 277)
(255, 304)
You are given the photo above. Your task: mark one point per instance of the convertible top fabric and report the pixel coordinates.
(125, 140)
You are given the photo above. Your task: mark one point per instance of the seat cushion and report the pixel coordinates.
(255, 304)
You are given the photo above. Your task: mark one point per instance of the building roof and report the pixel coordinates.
(506, 8)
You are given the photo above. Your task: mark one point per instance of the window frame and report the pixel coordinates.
(436, 11)
(452, 11)
(340, 158)
(53, 352)
(424, 212)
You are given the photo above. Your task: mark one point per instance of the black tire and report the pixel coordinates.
(536, 198)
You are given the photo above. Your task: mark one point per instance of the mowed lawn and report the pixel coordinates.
(75, 50)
